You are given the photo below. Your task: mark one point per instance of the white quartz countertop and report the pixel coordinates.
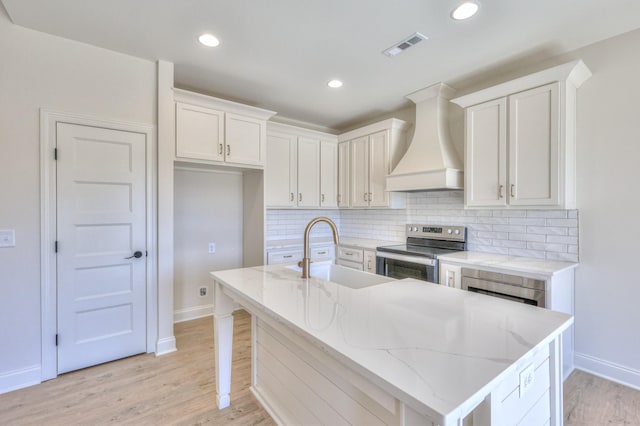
(434, 347)
(347, 241)
(506, 264)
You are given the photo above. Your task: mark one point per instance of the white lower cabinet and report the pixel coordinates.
(450, 275)
(356, 258)
(294, 255)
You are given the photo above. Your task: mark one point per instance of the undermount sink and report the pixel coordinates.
(343, 276)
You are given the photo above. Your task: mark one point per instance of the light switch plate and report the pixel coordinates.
(7, 238)
(527, 377)
(212, 247)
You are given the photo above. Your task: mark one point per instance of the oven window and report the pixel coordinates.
(400, 269)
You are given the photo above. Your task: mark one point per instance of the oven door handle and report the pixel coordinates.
(410, 259)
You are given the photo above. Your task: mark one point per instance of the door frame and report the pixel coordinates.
(48, 222)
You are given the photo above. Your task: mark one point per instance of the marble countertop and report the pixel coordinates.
(503, 263)
(347, 241)
(430, 345)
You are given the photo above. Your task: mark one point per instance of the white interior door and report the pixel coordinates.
(101, 211)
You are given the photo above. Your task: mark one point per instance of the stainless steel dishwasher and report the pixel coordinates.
(511, 287)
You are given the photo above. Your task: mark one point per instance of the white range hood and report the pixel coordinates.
(431, 161)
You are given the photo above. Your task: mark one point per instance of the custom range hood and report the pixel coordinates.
(431, 162)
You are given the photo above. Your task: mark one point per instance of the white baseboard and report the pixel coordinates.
(166, 345)
(608, 370)
(265, 404)
(195, 312)
(18, 379)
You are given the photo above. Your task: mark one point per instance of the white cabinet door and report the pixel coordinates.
(370, 261)
(534, 147)
(199, 133)
(328, 174)
(343, 174)
(280, 171)
(308, 172)
(359, 172)
(450, 275)
(244, 140)
(486, 154)
(378, 169)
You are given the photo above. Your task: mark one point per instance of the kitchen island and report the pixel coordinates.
(400, 352)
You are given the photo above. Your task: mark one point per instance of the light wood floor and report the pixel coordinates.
(179, 389)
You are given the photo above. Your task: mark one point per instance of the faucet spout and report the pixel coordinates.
(306, 261)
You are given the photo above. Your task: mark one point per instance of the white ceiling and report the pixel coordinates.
(279, 54)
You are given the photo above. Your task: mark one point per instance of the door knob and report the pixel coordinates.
(137, 255)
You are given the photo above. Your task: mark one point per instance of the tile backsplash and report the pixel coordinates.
(544, 234)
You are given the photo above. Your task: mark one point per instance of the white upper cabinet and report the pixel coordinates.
(301, 169)
(308, 172)
(217, 131)
(281, 178)
(199, 132)
(328, 174)
(364, 167)
(520, 140)
(343, 174)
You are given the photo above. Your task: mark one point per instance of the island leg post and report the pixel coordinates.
(555, 382)
(223, 307)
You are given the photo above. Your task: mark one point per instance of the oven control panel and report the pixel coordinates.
(439, 232)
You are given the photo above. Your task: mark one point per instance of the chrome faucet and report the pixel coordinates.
(306, 261)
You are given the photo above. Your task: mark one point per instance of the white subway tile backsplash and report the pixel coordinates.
(562, 239)
(563, 222)
(541, 238)
(537, 254)
(550, 234)
(560, 248)
(546, 230)
(551, 214)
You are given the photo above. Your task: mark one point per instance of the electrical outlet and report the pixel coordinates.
(203, 291)
(212, 248)
(7, 238)
(527, 377)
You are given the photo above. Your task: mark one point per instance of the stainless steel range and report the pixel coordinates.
(418, 258)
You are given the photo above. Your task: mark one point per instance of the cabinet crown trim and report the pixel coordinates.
(574, 73)
(193, 98)
(391, 123)
(288, 129)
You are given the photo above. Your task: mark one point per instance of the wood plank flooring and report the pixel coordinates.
(174, 389)
(179, 389)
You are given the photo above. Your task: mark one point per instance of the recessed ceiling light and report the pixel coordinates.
(209, 40)
(464, 11)
(334, 84)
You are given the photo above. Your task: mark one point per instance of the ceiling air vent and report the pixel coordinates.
(400, 47)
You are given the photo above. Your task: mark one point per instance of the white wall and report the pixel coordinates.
(607, 282)
(208, 208)
(36, 71)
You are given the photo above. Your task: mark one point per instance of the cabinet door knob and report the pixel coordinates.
(220, 150)
(500, 188)
(365, 196)
(291, 197)
(512, 190)
(322, 198)
(228, 149)
(370, 196)
(300, 196)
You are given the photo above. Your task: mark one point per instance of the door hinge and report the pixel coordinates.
(55, 246)
(56, 340)
(55, 153)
